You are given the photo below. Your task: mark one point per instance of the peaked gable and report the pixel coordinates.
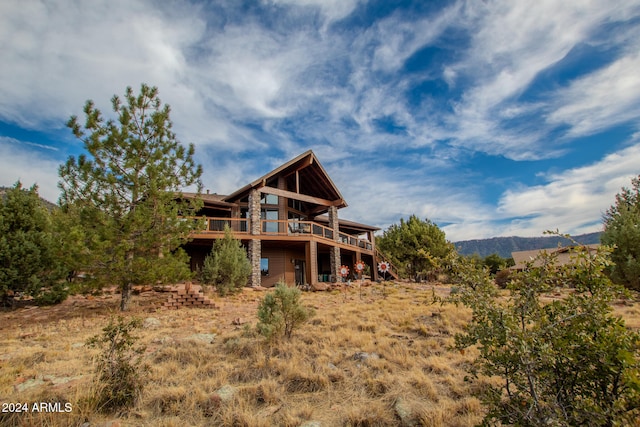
(302, 178)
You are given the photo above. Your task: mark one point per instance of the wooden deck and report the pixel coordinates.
(292, 230)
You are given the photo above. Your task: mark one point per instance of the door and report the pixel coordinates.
(299, 266)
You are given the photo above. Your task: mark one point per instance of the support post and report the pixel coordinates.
(334, 251)
(255, 245)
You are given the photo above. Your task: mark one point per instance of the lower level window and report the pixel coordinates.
(264, 266)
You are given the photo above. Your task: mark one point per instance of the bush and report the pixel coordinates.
(566, 362)
(280, 312)
(502, 278)
(119, 378)
(227, 266)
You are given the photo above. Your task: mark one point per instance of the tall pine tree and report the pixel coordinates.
(126, 192)
(622, 230)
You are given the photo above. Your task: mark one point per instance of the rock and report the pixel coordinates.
(30, 383)
(311, 424)
(226, 393)
(404, 412)
(319, 287)
(151, 323)
(208, 338)
(364, 356)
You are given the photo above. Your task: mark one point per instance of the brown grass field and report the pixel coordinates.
(410, 375)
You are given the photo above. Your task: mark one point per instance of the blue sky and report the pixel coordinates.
(490, 118)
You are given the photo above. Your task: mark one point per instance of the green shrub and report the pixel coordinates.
(280, 312)
(503, 277)
(227, 266)
(565, 362)
(28, 248)
(119, 370)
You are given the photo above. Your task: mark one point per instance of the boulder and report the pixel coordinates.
(316, 287)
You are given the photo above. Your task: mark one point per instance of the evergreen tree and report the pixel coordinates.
(566, 362)
(28, 261)
(227, 266)
(415, 247)
(622, 230)
(125, 192)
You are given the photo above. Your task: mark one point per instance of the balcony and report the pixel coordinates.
(293, 229)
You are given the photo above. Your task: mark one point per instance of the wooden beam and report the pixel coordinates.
(301, 197)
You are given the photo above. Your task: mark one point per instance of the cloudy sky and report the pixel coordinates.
(490, 118)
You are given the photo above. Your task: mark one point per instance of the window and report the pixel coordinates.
(264, 266)
(268, 199)
(269, 214)
(295, 204)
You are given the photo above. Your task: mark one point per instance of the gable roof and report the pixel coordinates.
(306, 180)
(563, 255)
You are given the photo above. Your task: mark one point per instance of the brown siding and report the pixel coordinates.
(277, 266)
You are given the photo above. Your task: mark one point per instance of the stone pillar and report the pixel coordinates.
(255, 245)
(374, 267)
(334, 251)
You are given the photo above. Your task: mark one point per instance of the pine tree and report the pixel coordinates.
(416, 247)
(28, 261)
(227, 266)
(126, 192)
(622, 230)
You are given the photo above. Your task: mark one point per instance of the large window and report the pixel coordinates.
(268, 199)
(269, 214)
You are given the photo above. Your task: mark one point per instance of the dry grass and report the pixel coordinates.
(322, 374)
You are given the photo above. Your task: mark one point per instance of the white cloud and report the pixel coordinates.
(571, 200)
(602, 99)
(512, 43)
(20, 163)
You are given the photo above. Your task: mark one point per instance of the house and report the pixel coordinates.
(288, 221)
(563, 256)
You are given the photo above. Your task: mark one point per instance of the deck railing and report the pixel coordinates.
(283, 228)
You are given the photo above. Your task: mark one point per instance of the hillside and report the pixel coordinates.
(503, 246)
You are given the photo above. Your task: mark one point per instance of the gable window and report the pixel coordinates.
(268, 199)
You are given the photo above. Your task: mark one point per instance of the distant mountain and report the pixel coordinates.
(503, 246)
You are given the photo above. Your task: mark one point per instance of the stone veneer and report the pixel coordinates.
(334, 252)
(255, 246)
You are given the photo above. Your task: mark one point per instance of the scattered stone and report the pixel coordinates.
(404, 412)
(318, 287)
(311, 424)
(331, 366)
(61, 380)
(364, 356)
(30, 383)
(151, 323)
(226, 393)
(208, 338)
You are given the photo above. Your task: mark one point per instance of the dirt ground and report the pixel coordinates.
(142, 304)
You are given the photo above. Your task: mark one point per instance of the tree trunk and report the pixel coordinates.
(126, 297)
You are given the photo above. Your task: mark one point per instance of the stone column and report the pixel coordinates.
(334, 251)
(255, 246)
